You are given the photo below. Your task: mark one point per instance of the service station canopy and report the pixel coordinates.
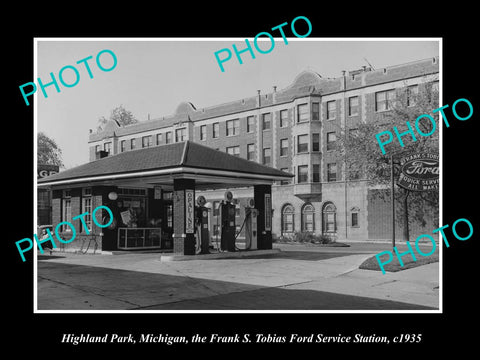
(160, 165)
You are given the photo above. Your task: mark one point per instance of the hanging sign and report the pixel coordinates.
(419, 172)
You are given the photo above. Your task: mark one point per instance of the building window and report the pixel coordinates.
(384, 100)
(283, 147)
(267, 156)
(250, 124)
(168, 137)
(316, 173)
(66, 210)
(331, 139)
(215, 130)
(329, 218)
(146, 141)
(132, 144)
(283, 118)
(412, 94)
(284, 182)
(331, 109)
(353, 106)
(302, 175)
(354, 211)
(250, 151)
(216, 208)
(203, 132)
(232, 127)
(234, 150)
(108, 147)
(288, 217)
(315, 142)
(315, 111)
(266, 121)
(123, 145)
(308, 218)
(332, 172)
(170, 215)
(159, 139)
(302, 112)
(302, 143)
(87, 207)
(180, 135)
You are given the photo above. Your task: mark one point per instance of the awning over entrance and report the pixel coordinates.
(159, 165)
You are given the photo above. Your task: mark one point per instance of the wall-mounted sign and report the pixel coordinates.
(419, 172)
(268, 212)
(46, 170)
(189, 211)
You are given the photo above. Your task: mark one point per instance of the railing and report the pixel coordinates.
(139, 238)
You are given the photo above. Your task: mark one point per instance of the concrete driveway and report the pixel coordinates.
(297, 278)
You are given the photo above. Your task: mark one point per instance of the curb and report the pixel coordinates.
(220, 255)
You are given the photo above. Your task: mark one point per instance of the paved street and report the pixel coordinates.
(297, 278)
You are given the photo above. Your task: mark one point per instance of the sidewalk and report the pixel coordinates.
(291, 279)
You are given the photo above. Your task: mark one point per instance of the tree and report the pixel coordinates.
(364, 158)
(48, 152)
(122, 116)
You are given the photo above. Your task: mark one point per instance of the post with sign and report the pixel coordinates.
(419, 172)
(184, 216)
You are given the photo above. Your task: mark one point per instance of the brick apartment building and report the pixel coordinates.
(292, 129)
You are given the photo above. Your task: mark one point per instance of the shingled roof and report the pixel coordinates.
(178, 155)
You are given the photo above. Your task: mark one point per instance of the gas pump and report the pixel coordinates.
(227, 223)
(201, 222)
(250, 225)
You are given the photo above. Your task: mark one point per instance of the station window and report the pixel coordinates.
(123, 146)
(412, 94)
(87, 207)
(159, 139)
(132, 144)
(215, 130)
(66, 210)
(203, 132)
(108, 147)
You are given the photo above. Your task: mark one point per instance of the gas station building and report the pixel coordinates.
(152, 193)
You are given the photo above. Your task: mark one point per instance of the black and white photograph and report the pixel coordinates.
(199, 181)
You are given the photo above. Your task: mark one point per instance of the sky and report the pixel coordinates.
(153, 76)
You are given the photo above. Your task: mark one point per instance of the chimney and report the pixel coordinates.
(259, 101)
(274, 95)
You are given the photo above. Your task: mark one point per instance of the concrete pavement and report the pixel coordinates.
(297, 278)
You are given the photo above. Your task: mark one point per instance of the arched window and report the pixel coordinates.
(329, 218)
(308, 218)
(288, 217)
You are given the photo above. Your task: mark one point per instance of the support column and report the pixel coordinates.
(262, 195)
(184, 216)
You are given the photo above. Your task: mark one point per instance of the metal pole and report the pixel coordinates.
(392, 192)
